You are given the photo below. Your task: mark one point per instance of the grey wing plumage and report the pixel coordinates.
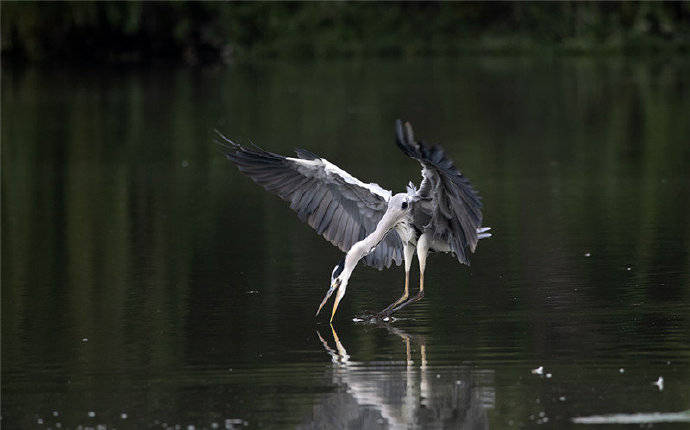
(338, 206)
(445, 195)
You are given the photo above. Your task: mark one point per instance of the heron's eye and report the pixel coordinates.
(404, 205)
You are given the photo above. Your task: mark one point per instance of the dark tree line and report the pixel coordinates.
(195, 32)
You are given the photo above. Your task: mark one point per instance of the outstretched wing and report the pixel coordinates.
(445, 195)
(341, 208)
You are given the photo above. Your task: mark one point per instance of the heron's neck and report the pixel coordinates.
(362, 248)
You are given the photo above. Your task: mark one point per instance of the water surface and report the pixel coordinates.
(146, 283)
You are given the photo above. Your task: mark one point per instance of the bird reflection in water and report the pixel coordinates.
(402, 394)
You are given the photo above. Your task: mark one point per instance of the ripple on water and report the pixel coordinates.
(641, 418)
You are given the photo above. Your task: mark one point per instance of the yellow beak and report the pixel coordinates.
(335, 305)
(328, 295)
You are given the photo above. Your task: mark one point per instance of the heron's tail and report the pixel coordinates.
(482, 232)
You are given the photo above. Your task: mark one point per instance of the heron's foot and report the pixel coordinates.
(417, 297)
(386, 315)
(388, 311)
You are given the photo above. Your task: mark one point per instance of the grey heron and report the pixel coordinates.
(367, 222)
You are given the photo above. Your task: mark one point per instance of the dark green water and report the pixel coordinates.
(143, 275)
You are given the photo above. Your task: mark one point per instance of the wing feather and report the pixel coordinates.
(327, 216)
(340, 207)
(445, 195)
(333, 227)
(342, 227)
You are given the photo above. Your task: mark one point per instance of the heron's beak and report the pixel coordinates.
(329, 293)
(341, 349)
(338, 297)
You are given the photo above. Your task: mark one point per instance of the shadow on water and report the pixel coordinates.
(402, 394)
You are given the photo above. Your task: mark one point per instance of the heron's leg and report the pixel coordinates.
(409, 255)
(422, 251)
(424, 383)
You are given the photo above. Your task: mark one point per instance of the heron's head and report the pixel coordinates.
(337, 272)
(339, 278)
(398, 206)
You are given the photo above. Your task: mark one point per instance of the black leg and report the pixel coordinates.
(390, 308)
(419, 296)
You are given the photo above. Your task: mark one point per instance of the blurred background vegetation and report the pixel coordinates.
(205, 32)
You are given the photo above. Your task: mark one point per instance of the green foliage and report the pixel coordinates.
(208, 32)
